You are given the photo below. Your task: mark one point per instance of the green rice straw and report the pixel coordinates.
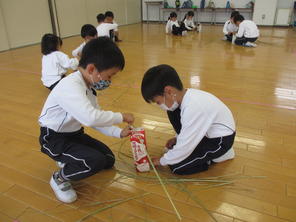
(196, 200)
(164, 188)
(110, 206)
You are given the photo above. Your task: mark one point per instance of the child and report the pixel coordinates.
(88, 32)
(247, 33)
(54, 62)
(104, 28)
(189, 23)
(204, 125)
(109, 18)
(173, 26)
(74, 103)
(230, 28)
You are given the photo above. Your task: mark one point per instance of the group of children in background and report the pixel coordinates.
(236, 29)
(204, 125)
(55, 63)
(176, 28)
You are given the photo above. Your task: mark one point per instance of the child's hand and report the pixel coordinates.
(156, 161)
(128, 118)
(171, 142)
(125, 132)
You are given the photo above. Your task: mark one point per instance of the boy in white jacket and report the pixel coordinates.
(204, 124)
(247, 33)
(73, 103)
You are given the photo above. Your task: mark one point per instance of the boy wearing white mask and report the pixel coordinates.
(73, 103)
(204, 125)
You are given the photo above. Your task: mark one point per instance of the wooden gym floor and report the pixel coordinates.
(258, 84)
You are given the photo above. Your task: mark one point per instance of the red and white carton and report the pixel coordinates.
(138, 143)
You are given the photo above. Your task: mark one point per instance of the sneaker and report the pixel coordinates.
(250, 44)
(184, 33)
(227, 156)
(63, 189)
(60, 164)
(224, 38)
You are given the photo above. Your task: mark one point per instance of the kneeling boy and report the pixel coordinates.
(204, 125)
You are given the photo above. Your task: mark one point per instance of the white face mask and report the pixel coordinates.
(172, 108)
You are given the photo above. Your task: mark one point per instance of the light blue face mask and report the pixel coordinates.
(101, 85)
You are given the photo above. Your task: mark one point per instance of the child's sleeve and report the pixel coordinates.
(225, 31)
(77, 52)
(113, 131)
(194, 128)
(112, 26)
(76, 103)
(66, 62)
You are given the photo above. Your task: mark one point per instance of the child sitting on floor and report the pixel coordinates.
(204, 124)
(54, 62)
(173, 26)
(88, 32)
(247, 33)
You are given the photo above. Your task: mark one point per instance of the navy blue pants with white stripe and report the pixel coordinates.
(207, 150)
(83, 155)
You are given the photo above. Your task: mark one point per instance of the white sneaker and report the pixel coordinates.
(62, 189)
(224, 38)
(227, 156)
(184, 33)
(60, 164)
(250, 44)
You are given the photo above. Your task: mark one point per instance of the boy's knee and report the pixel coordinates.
(97, 162)
(110, 160)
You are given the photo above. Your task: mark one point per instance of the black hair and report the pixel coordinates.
(88, 30)
(156, 79)
(103, 53)
(234, 13)
(109, 14)
(190, 13)
(100, 17)
(50, 43)
(238, 17)
(173, 15)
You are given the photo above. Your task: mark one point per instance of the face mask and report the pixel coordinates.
(101, 85)
(172, 108)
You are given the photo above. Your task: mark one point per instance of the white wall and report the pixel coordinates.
(264, 12)
(4, 45)
(25, 21)
(285, 4)
(72, 14)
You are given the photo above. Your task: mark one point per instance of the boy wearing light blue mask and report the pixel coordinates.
(73, 103)
(204, 125)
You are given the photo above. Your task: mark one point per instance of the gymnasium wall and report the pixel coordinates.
(3, 35)
(24, 22)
